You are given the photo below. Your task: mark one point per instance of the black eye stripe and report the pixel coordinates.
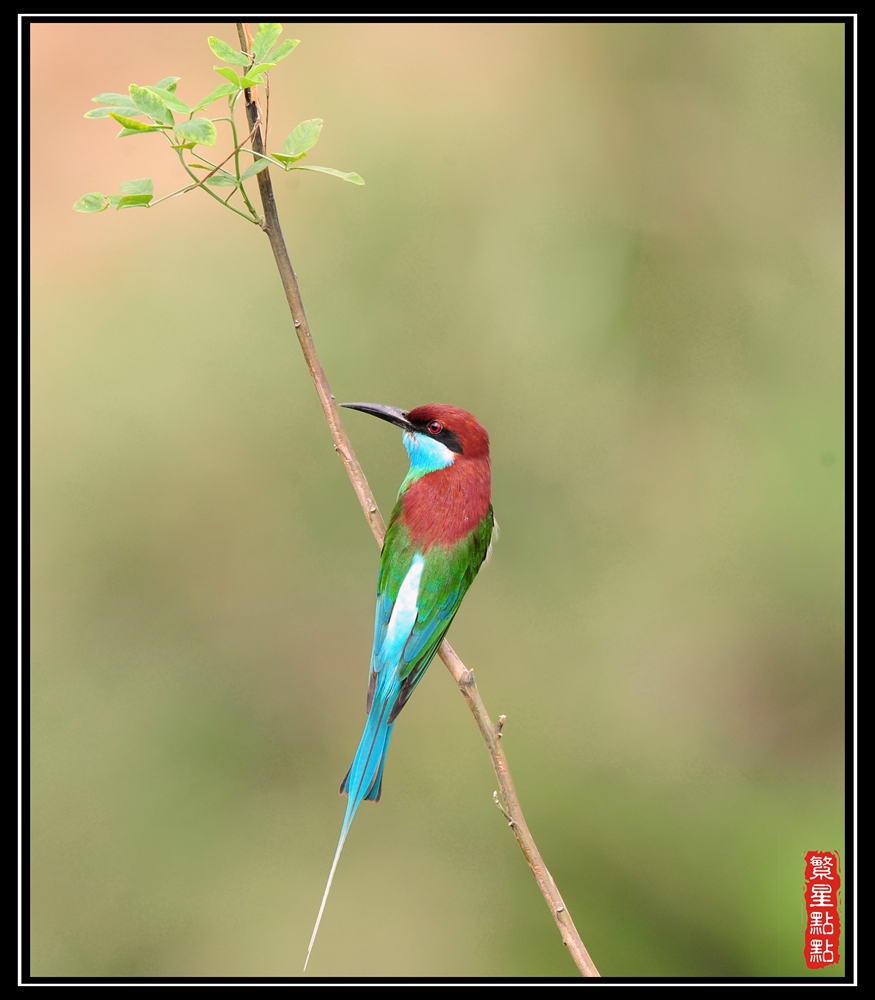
(442, 434)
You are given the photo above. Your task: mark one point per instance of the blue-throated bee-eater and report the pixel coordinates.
(439, 534)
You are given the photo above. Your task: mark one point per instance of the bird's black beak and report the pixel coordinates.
(391, 413)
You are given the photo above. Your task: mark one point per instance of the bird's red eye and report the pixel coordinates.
(435, 427)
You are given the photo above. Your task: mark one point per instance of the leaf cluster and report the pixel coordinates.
(160, 109)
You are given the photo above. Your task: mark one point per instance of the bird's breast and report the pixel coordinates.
(444, 506)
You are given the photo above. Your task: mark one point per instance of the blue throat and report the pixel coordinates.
(426, 455)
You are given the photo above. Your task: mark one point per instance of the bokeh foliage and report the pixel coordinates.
(621, 246)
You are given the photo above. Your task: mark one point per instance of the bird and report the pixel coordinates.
(440, 532)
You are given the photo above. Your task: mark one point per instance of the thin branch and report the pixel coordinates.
(461, 674)
(271, 226)
(234, 152)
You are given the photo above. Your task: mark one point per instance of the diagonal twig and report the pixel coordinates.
(509, 802)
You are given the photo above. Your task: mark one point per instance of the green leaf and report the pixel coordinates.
(168, 83)
(221, 178)
(182, 145)
(256, 168)
(200, 130)
(142, 186)
(120, 103)
(105, 112)
(171, 100)
(302, 137)
(151, 104)
(113, 99)
(134, 126)
(223, 51)
(229, 74)
(256, 71)
(223, 90)
(265, 38)
(352, 176)
(93, 202)
(283, 50)
(286, 160)
(133, 201)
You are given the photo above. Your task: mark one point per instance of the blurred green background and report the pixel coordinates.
(621, 247)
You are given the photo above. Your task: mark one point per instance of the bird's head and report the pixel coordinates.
(435, 435)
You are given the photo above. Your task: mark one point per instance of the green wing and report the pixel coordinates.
(446, 576)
